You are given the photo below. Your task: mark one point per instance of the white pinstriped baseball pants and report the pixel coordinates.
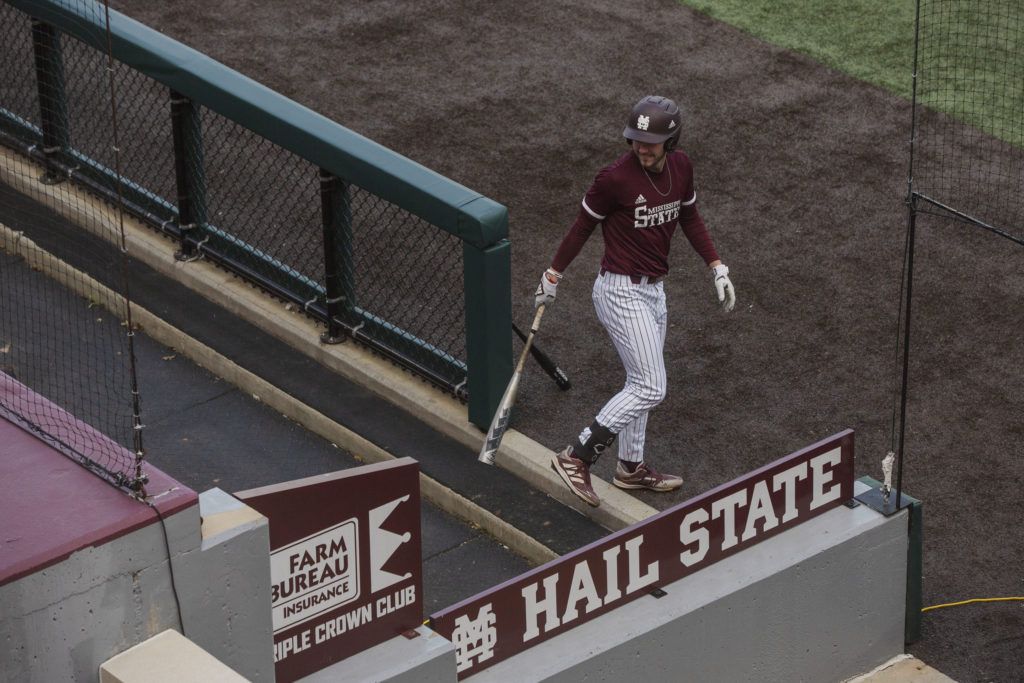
(635, 316)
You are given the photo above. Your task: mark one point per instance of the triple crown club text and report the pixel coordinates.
(717, 526)
(344, 622)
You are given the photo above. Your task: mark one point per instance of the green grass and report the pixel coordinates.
(971, 67)
(872, 40)
(969, 63)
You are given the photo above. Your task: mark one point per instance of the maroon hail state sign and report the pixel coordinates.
(345, 564)
(635, 561)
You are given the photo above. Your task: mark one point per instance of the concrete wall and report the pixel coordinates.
(226, 600)
(824, 601)
(62, 622)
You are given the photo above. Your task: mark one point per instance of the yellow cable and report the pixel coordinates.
(964, 602)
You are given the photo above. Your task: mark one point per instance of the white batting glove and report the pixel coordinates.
(546, 289)
(726, 292)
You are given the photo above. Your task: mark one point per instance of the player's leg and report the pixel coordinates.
(635, 318)
(631, 440)
(644, 375)
(633, 435)
(573, 463)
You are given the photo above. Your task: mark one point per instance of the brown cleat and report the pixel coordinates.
(645, 478)
(576, 474)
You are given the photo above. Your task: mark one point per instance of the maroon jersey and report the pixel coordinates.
(639, 212)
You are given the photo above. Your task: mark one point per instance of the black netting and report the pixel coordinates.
(86, 140)
(64, 347)
(969, 114)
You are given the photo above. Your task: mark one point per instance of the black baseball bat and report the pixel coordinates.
(556, 373)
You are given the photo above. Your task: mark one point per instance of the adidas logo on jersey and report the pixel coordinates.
(640, 199)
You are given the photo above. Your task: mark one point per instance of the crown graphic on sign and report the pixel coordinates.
(642, 122)
(383, 544)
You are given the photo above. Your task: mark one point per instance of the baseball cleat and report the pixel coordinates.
(645, 478)
(576, 474)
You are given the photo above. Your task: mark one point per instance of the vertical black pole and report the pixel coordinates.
(337, 239)
(911, 201)
(53, 113)
(188, 173)
(911, 231)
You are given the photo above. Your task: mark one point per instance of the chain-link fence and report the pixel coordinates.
(373, 246)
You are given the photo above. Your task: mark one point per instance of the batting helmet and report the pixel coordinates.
(654, 119)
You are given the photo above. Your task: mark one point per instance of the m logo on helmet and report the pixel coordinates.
(642, 122)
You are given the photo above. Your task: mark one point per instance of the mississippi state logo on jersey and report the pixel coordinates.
(649, 217)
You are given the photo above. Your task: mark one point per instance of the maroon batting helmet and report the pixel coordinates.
(654, 119)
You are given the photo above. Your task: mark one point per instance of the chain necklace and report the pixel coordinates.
(651, 180)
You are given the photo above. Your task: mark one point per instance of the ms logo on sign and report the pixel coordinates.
(474, 639)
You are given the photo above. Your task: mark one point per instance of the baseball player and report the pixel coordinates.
(639, 200)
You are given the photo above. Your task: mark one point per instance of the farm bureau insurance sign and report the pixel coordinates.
(630, 563)
(345, 565)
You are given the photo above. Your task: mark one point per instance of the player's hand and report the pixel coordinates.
(546, 290)
(726, 292)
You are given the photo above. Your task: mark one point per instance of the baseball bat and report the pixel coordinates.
(500, 421)
(556, 373)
